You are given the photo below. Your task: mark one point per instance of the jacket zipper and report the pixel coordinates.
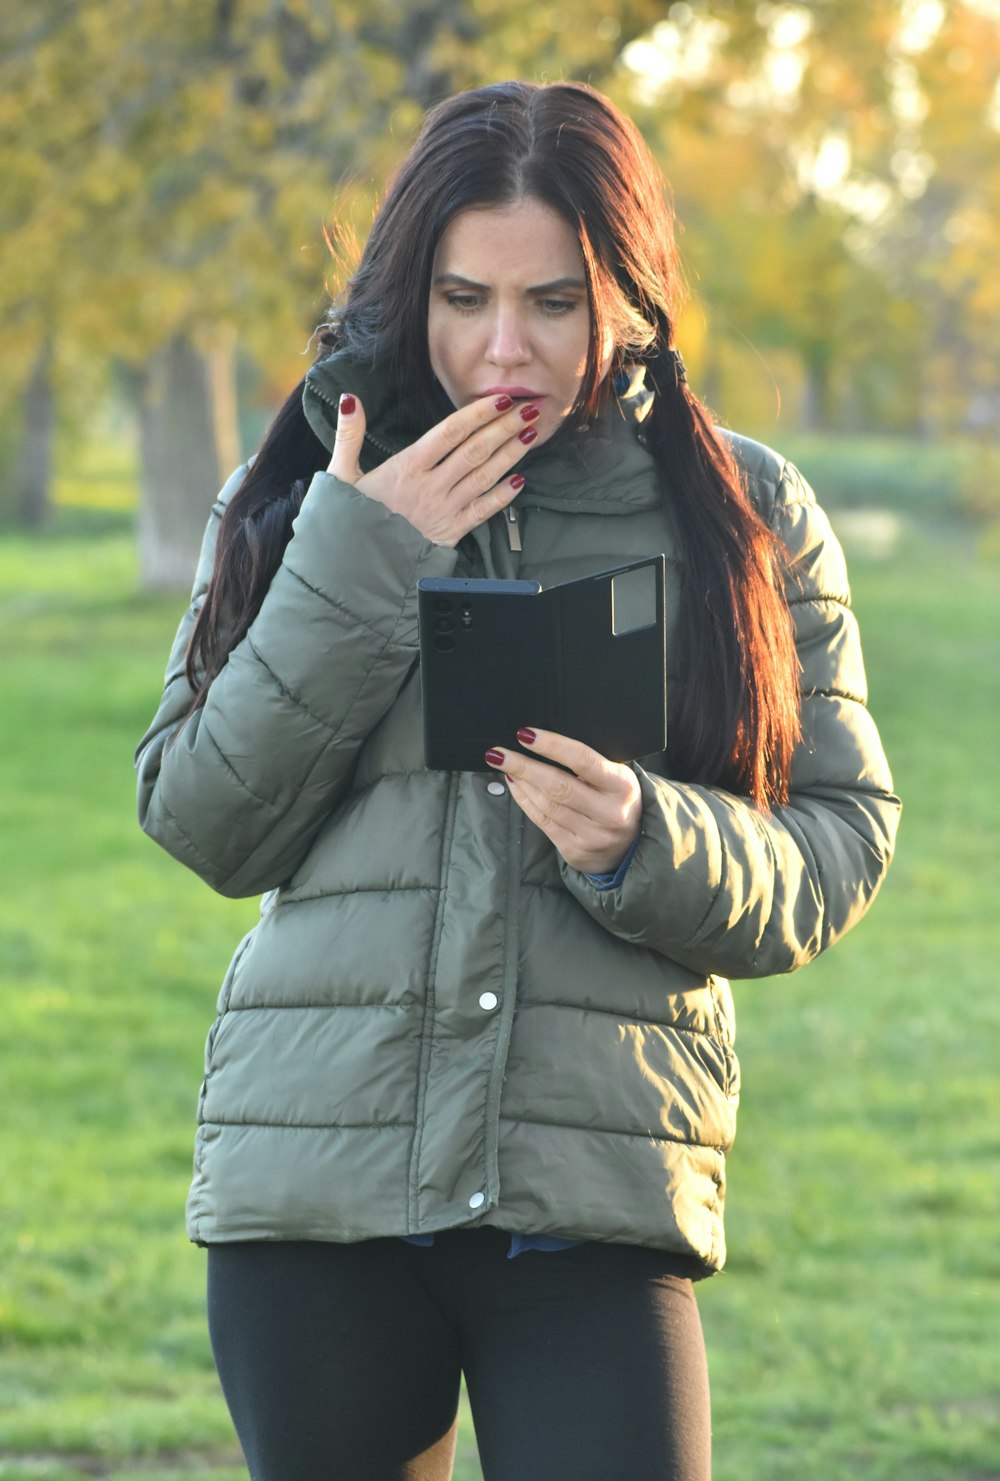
(508, 1005)
(413, 1178)
(382, 447)
(513, 532)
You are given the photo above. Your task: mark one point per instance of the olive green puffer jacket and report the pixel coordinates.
(436, 1021)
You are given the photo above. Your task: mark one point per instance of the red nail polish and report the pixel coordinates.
(529, 413)
(517, 482)
(495, 757)
(526, 737)
(347, 404)
(503, 403)
(528, 435)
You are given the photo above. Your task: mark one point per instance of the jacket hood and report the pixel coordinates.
(600, 468)
(391, 425)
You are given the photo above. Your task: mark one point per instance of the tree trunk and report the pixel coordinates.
(188, 442)
(815, 414)
(220, 360)
(34, 463)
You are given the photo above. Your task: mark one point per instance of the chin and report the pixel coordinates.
(549, 426)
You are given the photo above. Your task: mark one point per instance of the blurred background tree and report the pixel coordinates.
(167, 170)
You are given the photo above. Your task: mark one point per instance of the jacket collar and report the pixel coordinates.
(599, 469)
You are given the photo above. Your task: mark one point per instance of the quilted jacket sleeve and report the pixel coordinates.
(722, 887)
(238, 790)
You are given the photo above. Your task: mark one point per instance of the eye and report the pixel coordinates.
(555, 308)
(465, 303)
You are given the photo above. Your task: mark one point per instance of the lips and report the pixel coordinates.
(516, 393)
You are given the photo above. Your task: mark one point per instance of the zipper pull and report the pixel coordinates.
(513, 533)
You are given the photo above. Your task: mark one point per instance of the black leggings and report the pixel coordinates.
(343, 1362)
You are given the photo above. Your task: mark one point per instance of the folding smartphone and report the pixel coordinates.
(586, 658)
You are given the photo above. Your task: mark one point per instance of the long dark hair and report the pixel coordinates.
(735, 720)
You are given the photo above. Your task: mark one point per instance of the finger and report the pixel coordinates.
(555, 795)
(605, 793)
(595, 839)
(485, 423)
(486, 505)
(345, 461)
(563, 829)
(583, 761)
(462, 486)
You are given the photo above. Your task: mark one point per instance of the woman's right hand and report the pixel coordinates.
(452, 479)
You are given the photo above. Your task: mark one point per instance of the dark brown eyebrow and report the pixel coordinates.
(557, 285)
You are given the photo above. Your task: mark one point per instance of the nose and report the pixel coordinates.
(508, 342)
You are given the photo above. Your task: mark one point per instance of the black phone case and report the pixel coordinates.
(586, 658)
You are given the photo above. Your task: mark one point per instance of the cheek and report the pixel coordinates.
(451, 343)
(576, 341)
(575, 355)
(438, 349)
(433, 340)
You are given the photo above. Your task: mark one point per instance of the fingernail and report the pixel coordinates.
(495, 757)
(517, 482)
(347, 404)
(526, 737)
(528, 435)
(503, 403)
(528, 413)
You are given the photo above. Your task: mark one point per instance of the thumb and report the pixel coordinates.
(344, 461)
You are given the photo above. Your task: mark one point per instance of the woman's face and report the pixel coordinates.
(509, 310)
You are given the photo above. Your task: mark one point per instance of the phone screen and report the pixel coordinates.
(633, 600)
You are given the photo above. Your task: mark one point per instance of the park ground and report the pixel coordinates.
(853, 1332)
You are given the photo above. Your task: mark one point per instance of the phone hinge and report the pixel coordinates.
(513, 533)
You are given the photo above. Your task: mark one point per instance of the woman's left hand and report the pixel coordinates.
(590, 812)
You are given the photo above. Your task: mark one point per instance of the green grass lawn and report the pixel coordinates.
(853, 1334)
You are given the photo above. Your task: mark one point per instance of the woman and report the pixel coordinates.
(469, 1094)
